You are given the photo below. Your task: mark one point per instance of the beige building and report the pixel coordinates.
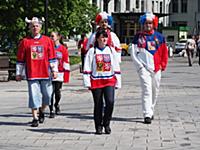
(126, 14)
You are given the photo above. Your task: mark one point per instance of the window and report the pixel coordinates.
(153, 6)
(179, 23)
(127, 4)
(94, 2)
(157, 6)
(105, 6)
(142, 5)
(198, 6)
(184, 6)
(174, 24)
(116, 5)
(170, 38)
(161, 7)
(175, 6)
(198, 27)
(137, 4)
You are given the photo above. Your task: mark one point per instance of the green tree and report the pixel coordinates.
(69, 17)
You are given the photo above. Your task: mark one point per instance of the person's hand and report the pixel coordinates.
(18, 78)
(162, 69)
(54, 74)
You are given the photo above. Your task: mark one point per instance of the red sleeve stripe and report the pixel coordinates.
(118, 49)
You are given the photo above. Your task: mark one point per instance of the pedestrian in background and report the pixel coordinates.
(62, 75)
(102, 75)
(190, 49)
(82, 44)
(104, 21)
(198, 48)
(36, 54)
(150, 55)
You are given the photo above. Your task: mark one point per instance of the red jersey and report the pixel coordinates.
(38, 56)
(83, 45)
(62, 57)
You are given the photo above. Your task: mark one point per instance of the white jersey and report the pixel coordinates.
(101, 68)
(115, 43)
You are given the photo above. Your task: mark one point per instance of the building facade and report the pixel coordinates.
(126, 14)
(185, 13)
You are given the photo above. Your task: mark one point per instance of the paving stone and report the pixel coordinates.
(176, 125)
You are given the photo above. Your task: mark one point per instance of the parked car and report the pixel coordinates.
(179, 46)
(124, 47)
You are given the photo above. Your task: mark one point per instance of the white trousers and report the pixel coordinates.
(150, 83)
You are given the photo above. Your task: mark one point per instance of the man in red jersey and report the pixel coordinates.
(37, 56)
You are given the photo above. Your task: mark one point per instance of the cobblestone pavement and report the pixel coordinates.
(176, 125)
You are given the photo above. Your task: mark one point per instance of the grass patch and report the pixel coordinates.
(74, 60)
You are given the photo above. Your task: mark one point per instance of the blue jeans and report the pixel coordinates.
(40, 92)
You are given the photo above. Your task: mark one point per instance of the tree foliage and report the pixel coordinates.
(72, 17)
(69, 17)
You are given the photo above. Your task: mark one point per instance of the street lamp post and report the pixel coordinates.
(46, 17)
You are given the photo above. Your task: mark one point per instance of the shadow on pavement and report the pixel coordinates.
(89, 116)
(136, 119)
(57, 130)
(85, 116)
(13, 123)
(16, 115)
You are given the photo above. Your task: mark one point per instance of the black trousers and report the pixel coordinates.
(82, 60)
(57, 86)
(199, 55)
(102, 118)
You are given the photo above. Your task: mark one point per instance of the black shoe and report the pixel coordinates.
(51, 115)
(107, 130)
(34, 123)
(57, 110)
(147, 120)
(98, 130)
(41, 117)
